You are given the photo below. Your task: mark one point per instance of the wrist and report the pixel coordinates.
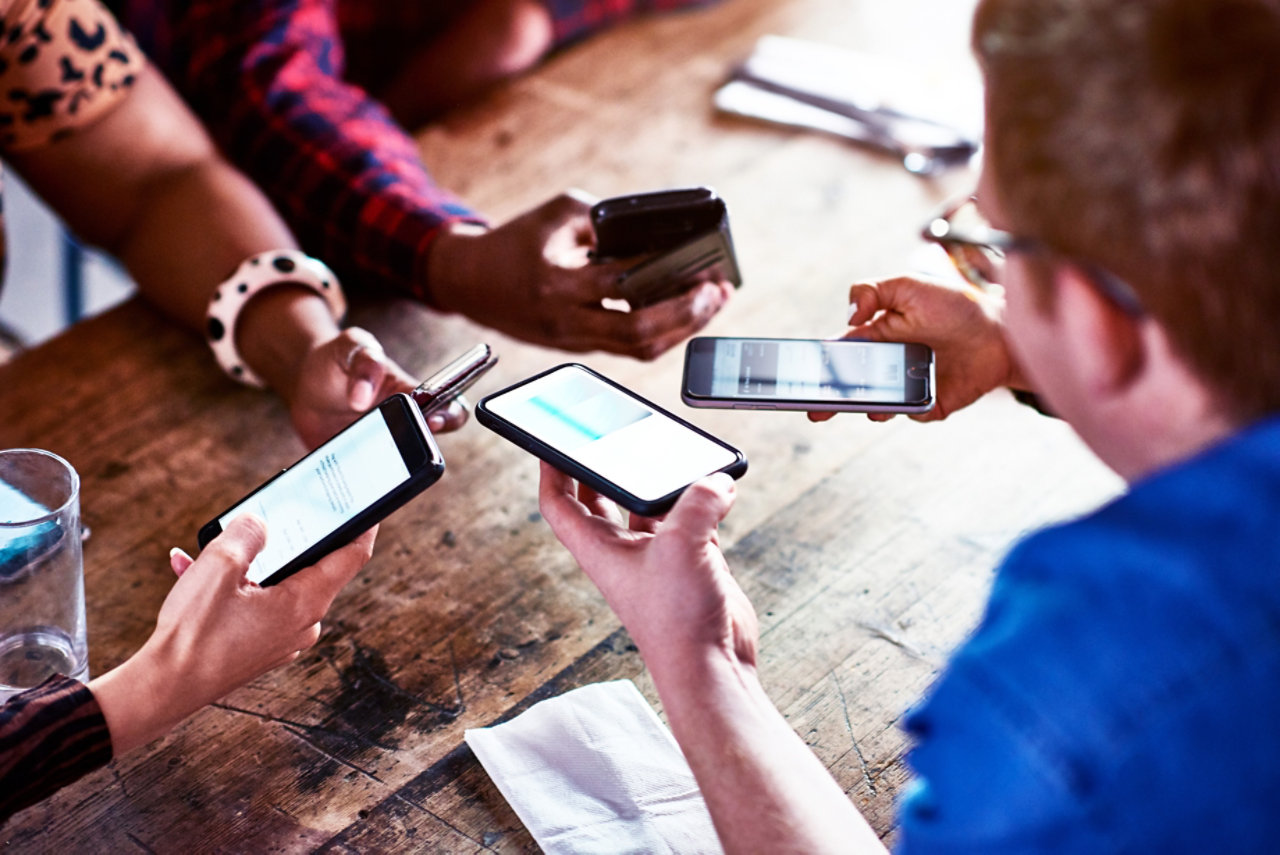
(136, 700)
(278, 329)
(993, 307)
(450, 264)
(692, 672)
(698, 692)
(285, 327)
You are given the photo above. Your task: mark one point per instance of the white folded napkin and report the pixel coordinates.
(595, 771)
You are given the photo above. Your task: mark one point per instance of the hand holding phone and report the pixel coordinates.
(609, 438)
(684, 231)
(812, 375)
(343, 488)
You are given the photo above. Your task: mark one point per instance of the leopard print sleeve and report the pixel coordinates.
(63, 64)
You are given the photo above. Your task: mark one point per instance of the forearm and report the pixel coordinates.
(146, 184)
(136, 701)
(223, 219)
(765, 789)
(192, 228)
(219, 219)
(672, 588)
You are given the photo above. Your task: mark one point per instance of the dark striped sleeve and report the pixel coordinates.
(50, 736)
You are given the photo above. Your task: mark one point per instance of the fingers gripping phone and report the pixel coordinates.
(684, 231)
(808, 374)
(609, 438)
(340, 490)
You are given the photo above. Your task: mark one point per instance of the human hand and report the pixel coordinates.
(665, 579)
(217, 631)
(343, 378)
(963, 326)
(532, 278)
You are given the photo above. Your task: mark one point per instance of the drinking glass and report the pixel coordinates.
(42, 625)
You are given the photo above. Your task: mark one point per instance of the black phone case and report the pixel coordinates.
(352, 528)
(571, 467)
(706, 258)
(643, 223)
(685, 232)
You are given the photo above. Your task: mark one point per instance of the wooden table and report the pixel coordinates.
(867, 549)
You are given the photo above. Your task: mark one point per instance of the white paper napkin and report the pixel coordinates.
(595, 771)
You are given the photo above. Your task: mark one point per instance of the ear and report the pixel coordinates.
(1105, 342)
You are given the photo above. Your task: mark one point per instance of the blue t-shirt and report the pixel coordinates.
(1122, 693)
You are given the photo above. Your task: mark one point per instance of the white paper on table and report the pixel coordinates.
(863, 97)
(869, 82)
(595, 771)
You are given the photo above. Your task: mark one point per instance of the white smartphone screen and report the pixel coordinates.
(618, 437)
(17, 506)
(322, 491)
(809, 370)
(20, 545)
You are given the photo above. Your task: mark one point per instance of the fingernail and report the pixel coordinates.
(352, 354)
(178, 551)
(853, 310)
(722, 482)
(707, 301)
(362, 394)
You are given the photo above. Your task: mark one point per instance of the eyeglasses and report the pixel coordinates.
(979, 250)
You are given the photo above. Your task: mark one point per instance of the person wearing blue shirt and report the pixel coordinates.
(1121, 691)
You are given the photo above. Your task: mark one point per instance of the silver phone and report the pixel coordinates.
(808, 374)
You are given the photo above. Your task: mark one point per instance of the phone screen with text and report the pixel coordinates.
(322, 491)
(620, 438)
(809, 370)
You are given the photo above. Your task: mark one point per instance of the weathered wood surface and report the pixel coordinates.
(867, 549)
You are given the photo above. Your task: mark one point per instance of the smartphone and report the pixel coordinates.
(708, 258)
(641, 223)
(608, 437)
(340, 490)
(808, 374)
(19, 553)
(685, 232)
(443, 387)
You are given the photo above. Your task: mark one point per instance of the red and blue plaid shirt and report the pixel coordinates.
(271, 81)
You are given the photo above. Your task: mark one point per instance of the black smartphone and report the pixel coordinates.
(443, 387)
(707, 258)
(808, 374)
(340, 490)
(642, 223)
(685, 232)
(608, 437)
